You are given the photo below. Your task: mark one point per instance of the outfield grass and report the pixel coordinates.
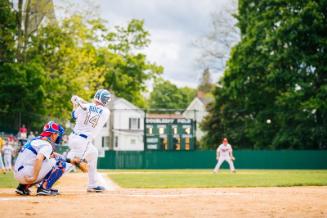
(206, 179)
(7, 180)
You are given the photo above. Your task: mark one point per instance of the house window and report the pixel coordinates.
(105, 125)
(133, 141)
(116, 141)
(105, 141)
(134, 123)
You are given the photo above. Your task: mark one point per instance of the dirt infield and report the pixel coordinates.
(218, 202)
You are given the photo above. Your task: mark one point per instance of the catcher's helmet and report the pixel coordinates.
(102, 96)
(52, 127)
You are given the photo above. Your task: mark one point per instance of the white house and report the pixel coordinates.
(197, 111)
(124, 129)
(126, 126)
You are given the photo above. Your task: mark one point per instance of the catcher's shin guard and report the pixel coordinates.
(54, 174)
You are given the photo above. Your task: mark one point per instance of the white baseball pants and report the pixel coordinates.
(27, 170)
(220, 162)
(83, 148)
(7, 160)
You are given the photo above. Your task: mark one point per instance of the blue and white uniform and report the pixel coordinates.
(7, 155)
(24, 165)
(89, 122)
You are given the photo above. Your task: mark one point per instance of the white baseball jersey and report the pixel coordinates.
(90, 121)
(27, 155)
(224, 150)
(7, 150)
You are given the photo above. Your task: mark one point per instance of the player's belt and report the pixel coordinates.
(81, 135)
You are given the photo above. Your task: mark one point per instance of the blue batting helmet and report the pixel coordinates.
(102, 96)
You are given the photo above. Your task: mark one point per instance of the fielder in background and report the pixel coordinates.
(90, 118)
(7, 156)
(224, 153)
(38, 164)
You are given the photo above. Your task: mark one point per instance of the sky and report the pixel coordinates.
(174, 26)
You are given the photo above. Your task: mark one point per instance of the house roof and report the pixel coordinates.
(192, 105)
(116, 100)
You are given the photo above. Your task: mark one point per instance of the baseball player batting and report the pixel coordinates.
(90, 118)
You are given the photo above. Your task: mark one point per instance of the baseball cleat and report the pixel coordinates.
(55, 191)
(96, 189)
(45, 192)
(22, 190)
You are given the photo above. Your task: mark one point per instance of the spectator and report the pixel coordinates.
(23, 132)
(11, 139)
(7, 156)
(31, 136)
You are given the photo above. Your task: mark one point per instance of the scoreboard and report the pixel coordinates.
(170, 133)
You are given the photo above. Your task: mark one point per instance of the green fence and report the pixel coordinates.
(245, 159)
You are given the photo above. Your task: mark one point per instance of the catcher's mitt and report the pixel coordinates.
(80, 164)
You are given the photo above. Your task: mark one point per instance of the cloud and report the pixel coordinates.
(173, 25)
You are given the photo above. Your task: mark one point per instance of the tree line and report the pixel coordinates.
(274, 88)
(41, 70)
(42, 64)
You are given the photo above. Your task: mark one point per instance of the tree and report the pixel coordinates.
(20, 84)
(77, 64)
(7, 32)
(166, 95)
(127, 69)
(73, 56)
(216, 45)
(21, 94)
(273, 91)
(206, 84)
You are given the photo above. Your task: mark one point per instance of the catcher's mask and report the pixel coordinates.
(53, 128)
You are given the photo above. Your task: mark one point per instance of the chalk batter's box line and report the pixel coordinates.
(36, 198)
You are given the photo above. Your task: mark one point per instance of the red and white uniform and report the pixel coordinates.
(225, 151)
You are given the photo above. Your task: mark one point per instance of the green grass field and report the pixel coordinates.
(7, 180)
(206, 179)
